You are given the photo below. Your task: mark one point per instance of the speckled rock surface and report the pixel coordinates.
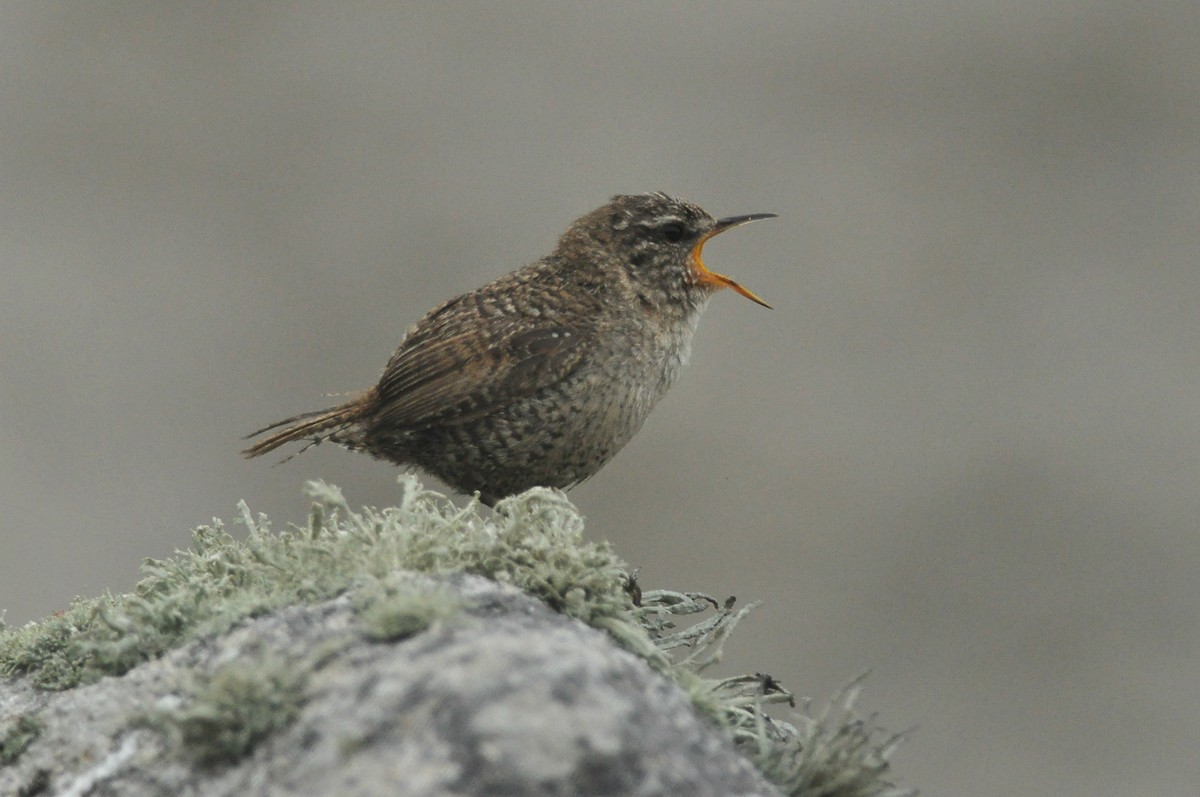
(504, 698)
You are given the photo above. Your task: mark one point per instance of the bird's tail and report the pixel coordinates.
(315, 427)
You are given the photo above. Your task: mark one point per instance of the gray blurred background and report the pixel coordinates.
(962, 452)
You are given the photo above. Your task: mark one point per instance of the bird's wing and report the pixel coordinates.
(458, 364)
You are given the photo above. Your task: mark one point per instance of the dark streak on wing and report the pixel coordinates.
(459, 364)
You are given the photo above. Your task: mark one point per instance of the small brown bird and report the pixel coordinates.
(540, 377)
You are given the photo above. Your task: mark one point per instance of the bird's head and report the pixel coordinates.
(656, 240)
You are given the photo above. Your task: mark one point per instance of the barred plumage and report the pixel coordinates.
(539, 377)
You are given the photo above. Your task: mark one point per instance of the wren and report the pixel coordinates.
(541, 376)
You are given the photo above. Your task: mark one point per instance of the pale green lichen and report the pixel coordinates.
(20, 733)
(533, 541)
(395, 608)
(225, 714)
(835, 753)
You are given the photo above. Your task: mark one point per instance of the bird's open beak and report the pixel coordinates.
(712, 278)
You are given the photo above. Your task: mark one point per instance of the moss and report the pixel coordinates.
(227, 713)
(533, 541)
(23, 731)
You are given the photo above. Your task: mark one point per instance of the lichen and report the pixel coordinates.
(393, 609)
(533, 541)
(21, 733)
(225, 714)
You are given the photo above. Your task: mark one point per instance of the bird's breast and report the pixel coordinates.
(633, 369)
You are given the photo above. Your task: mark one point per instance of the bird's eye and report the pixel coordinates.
(673, 232)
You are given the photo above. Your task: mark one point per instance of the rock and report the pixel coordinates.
(499, 696)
